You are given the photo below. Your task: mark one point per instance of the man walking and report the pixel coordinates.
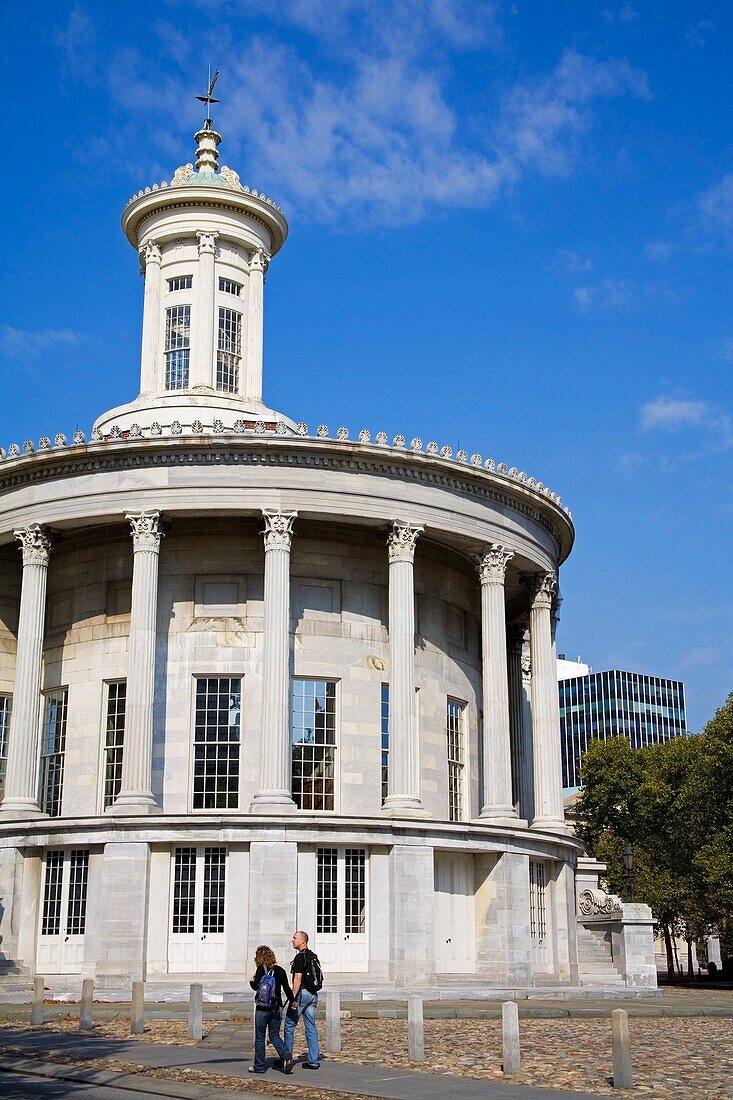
(305, 1002)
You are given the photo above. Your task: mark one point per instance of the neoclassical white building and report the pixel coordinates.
(255, 677)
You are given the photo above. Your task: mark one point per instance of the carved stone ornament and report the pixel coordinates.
(492, 563)
(207, 241)
(401, 541)
(278, 531)
(526, 668)
(146, 530)
(259, 261)
(230, 178)
(598, 903)
(36, 543)
(544, 589)
(150, 253)
(182, 175)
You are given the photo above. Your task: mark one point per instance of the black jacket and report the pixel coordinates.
(281, 984)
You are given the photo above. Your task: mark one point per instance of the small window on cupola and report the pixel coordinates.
(177, 347)
(181, 282)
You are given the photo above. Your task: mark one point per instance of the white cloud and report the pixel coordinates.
(715, 206)
(697, 34)
(604, 294)
(27, 342)
(659, 250)
(574, 262)
(671, 413)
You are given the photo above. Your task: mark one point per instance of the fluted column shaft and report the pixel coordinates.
(496, 736)
(136, 794)
(274, 795)
(150, 371)
(403, 799)
(204, 322)
(255, 321)
(21, 777)
(520, 725)
(545, 708)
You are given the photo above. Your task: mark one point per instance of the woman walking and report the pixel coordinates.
(269, 981)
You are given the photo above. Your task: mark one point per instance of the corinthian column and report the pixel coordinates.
(545, 708)
(136, 796)
(21, 777)
(150, 257)
(255, 320)
(520, 722)
(274, 795)
(204, 322)
(496, 740)
(403, 799)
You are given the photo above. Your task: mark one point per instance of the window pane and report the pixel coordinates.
(177, 347)
(326, 901)
(216, 743)
(78, 877)
(51, 922)
(214, 883)
(355, 889)
(184, 889)
(52, 754)
(314, 743)
(114, 739)
(5, 702)
(454, 736)
(385, 740)
(229, 350)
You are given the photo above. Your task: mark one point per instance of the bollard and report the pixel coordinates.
(87, 997)
(510, 1037)
(39, 986)
(137, 1008)
(415, 1030)
(623, 1073)
(333, 1022)
(196, 1012)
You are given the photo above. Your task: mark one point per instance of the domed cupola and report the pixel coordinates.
(205, 241)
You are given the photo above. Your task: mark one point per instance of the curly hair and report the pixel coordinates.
(265, 956)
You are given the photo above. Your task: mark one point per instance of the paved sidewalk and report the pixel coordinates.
(39, 1048)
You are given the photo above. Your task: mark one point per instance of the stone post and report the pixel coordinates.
(403, 799)
(196, 1012)
(137, 1008)
(274, 794)
(150, 363)
(21, 777)
(333, 1021)
(39, 988)
(510, 1038)
(255, 321)
(87, 1000)
(415, 1029)
(623, 1073)
(545, 708)
(136, 796)
(205, 328)
(498, 804)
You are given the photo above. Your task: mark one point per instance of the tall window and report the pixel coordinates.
(52, 753)
(454, 736)
(5, 701)
(177, 347)
(52, 891)
(537, 900)
(229, 350)
(76, 914)
(184, 890)
(114, 738)
(327, 891)
(385, 740)
(216, 743)
(314, 743)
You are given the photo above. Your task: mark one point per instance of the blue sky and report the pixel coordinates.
(511, 230)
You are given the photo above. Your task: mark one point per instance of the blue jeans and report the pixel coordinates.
(307, 1004)
(267, 1022)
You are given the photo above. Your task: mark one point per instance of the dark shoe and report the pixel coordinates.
(311, 1065)
(288, 1063)
(277, 1064)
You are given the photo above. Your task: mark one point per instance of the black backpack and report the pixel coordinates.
(312, 975)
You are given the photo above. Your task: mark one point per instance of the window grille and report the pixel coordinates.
(385, 740)
(114, 738)
(216, 743)
(214, 885)
(51, 920)
(177, 347)
(454, 735)
(76, 914)
(52, 754)
(355, 890)
(5, 705)
(184, 889)
(537, 901)
(227, 286)
(314, 743)
(229, 350)
(326, 892)
(181, 282)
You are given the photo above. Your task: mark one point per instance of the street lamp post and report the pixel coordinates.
(629, 865)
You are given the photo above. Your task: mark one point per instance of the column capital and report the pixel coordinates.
(207, 241)
(150, 253)
(543, 589)
(492, 563)
(278, 532)
(147, 530)
(36, 543)
(259, 261)
(401, 541)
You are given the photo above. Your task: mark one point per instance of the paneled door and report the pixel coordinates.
(63, 911)
(341, 910)
(455, 919)
(197, 939)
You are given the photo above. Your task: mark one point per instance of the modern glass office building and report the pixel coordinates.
(646, 709)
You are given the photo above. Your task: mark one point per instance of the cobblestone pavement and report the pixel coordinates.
(690, 1058)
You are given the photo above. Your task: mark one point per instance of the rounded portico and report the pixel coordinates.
(277, 677)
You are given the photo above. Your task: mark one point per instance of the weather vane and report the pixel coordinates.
(208, 99)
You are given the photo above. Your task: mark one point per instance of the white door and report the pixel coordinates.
(63, 912)
(341, 910)
(197, 940)
(455, 921)
(538, 917)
